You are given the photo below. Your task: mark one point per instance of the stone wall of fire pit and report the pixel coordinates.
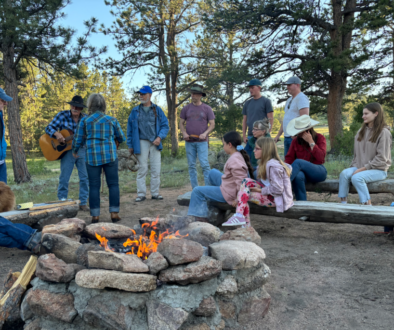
(203, 280)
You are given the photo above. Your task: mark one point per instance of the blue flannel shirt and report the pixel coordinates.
(63, 120)
(100, 132)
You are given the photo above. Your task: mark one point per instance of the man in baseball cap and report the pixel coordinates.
(4, 98)
(296, 105)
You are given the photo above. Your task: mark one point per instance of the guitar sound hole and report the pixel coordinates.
(61, 147)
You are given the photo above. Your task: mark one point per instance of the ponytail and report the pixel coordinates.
(247, 161)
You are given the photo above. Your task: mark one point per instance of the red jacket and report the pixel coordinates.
(315, 156)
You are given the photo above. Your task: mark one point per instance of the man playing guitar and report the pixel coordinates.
(69, 120)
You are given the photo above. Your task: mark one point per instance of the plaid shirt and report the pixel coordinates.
(63, 120)
(100, 132)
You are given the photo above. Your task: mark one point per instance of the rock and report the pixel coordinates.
(101, 279)
(156, 262)
(221, 325)
(195, 272)
(180, 251)
(26, 313)
(82, 253)
(254, 309)
(164, 317)
(61, 246)
(71, 228)
(52, 269)
(201, 232)
(107, 230)
(201, 326)
(206, 308)
(228, 288)
(248, 280)
(33, 325)
(242, 234)
(127, 263)
(79, 222)
(59, 306)
(227, 309)
(171, 222)
(237, 254)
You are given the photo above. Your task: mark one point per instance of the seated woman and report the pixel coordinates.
(306, 155)
(224, 187)
(372, 155)
(260, 128)
(272, 187)
(100, 131)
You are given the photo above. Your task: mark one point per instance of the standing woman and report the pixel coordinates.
(260, 128)
(100, 132)
(306, 155)
(372, 155)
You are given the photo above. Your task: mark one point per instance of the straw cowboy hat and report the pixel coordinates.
(300, 124)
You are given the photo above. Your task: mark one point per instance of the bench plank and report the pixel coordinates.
(377, 187)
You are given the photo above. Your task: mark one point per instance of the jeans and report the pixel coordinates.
(359, 182)
(287, 143)
(14, 235)
(200, 149)
(200, 195)
(148, 150)
(66, 169)
(112, 177)
(248, 148)
(304, 171)
(3, 173)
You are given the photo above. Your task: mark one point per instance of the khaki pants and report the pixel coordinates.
(148, 150)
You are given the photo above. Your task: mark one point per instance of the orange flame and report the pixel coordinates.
(103, 243)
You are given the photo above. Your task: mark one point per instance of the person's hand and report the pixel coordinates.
(60, 137)
(131, 150)
(186, 136)
(234, 203)
(75, 155)
(255, 189)
(203, 136)
(157, 141)
(359, 170)
(245, 139)
(276, 139)
(307, 137)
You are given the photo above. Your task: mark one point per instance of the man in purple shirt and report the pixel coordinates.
(197, 116)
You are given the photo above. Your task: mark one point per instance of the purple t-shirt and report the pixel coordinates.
(197, 118)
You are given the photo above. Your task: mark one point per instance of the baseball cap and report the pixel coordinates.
(293, 80)
(145, 90)
(4, 96)
(254, 82)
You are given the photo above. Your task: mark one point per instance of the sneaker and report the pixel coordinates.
(159, 197)
(84, 208)
(235, 220)
(140, 198)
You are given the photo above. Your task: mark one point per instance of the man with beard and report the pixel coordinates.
(147, 126)
(200, 121)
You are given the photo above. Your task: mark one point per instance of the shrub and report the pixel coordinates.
(344, 144)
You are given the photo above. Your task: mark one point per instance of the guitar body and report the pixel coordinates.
(52, 149)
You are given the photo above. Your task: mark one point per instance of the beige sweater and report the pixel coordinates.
(373, 156)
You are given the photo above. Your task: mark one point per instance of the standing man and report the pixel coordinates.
(257, 108)
(146, 127)
(69, 120)
(297, 105)
(197, 116)
(4, 98)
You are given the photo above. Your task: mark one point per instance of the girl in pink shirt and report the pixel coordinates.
(223, 187)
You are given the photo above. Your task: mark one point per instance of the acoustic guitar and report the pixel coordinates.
(52, 148)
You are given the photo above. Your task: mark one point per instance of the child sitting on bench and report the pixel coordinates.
(272, 188)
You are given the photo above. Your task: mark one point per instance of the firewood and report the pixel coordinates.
(9, 282)
(43, 207)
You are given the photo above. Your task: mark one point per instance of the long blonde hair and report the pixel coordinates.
(378, 123)
(268, 152)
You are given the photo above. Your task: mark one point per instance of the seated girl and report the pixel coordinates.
(306, 155)
(372, 155)
(224, 187)
(260, 128)
(272, 188)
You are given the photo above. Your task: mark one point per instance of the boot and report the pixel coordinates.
(34, 243)
(95, 219)
(115, 217)
(201, 219)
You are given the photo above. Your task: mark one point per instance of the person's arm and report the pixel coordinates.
(54, 126)
(270, 117)
(383, 152)
(210, 128)
(320, 149)
(244, 127)
(291, 154)
(118, 132)
(304, 111)
(183, 129)
(276, 182)
(78, 138)
(276, 139)
(164, 126)
(130, 133)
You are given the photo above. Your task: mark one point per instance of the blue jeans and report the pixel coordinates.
(287, 144)
(14, 235)
(200, 195)
(304, 171)
(200, 149)
(66, 169)
(359, 182)
(112, 177)
(3, 172)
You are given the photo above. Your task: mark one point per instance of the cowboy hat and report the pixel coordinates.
(300, 124)
(197, 89)
(77, 101)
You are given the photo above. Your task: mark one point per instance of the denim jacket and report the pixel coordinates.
(3, 141)
(133, 135)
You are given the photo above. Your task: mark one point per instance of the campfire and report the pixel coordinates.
(142, 245)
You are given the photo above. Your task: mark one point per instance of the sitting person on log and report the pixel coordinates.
(306, 155)
(223, 187)
(260, 128)
(272, 187)
(372, 155)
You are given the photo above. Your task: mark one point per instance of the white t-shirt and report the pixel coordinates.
(293, 107)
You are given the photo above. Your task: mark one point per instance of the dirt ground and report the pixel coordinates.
(324, 276)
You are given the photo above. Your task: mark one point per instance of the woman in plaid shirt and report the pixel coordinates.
(99, 131)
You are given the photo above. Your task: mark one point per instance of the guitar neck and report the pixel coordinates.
(70, 137)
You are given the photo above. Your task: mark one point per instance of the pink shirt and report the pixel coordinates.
(235, 170)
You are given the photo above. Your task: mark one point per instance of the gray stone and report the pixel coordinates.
(164, 317)
(82, 253)
(242, 234)
(33, 325)
(26, 312)
(252, 279)
(156, 263)
(207, 307)
(254, 309)
(200, 326)
(127, 263)
(71, 228)
(237, 254)
(52, 269)
(227, 309)
(228, 288)
(180, 251)
(61, 246)
(201, 232)
(195, 272)
(107, 230)
(101, 279)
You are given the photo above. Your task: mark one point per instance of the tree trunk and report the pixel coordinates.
(21, 173)
(336, 92)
